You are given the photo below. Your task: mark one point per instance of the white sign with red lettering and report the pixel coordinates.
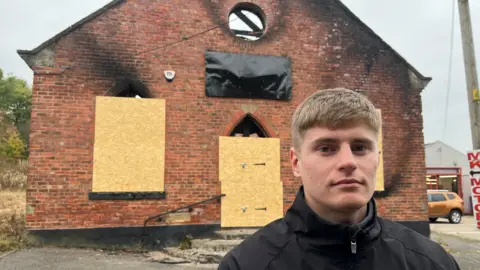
(474, 161)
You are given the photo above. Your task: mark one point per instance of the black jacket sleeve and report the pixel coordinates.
(454, 262)
(228, 263)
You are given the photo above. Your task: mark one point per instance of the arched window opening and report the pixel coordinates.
(248, 127)
(131, 89)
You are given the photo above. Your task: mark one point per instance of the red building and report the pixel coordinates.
(102, 161)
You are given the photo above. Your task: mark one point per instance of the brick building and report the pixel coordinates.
(149, 106)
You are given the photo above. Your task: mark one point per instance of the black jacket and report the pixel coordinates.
(302, 240)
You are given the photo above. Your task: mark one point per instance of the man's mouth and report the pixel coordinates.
(347, 182)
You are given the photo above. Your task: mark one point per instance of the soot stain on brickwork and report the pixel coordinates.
(115, 63)
(364, 46)
(359, 45)
(274, 27)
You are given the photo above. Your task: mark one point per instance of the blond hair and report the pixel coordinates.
(333, 108)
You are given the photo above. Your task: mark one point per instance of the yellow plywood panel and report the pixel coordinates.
(129, 152)
(178, 217)
(249, 172)
(380, 181)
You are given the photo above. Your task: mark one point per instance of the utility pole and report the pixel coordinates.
(470, 71)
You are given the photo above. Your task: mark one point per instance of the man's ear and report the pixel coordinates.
(294, 159)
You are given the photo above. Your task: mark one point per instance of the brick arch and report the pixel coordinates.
(130, 88)
(240, 115)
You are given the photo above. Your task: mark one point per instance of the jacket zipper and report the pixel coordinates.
(353, 245)
(353, 249)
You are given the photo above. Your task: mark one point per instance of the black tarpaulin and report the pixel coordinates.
(248, 76)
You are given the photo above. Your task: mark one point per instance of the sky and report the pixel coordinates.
(417, 30)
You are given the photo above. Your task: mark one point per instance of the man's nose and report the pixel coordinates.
(346, 160)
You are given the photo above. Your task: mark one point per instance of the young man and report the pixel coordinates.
(333, 223)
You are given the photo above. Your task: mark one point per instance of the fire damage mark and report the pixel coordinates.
(392, 183)
(130, 88)
(44, 55)
(112, 63)
(239, 22)
(350, 37)
(276, 24)
(115, 64)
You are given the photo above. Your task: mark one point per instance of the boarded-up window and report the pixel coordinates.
(248, 127)
(129, 151)
(380, 181)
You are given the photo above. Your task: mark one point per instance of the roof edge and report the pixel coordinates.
(449, 146)
(358, 20)
(26, 53)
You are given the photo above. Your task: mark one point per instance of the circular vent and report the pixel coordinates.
(247, 21)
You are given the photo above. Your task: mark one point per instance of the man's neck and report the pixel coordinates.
(340, 217)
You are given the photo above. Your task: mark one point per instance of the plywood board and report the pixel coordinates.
(129, 149)
(380, 181)
(178, 217)
(249, 172)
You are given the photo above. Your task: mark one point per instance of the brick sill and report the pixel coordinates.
(94, 196)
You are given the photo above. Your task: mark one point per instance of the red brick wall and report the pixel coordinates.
(327, 47)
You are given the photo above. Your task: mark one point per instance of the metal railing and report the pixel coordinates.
(173, 211)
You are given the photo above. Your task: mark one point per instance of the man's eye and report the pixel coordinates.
(359, 148)
(325, 149)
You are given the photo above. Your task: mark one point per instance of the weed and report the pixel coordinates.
(186, 242)
(12, 232)
(12, 220)
(13, 174)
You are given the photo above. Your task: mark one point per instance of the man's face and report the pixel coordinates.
(338, 167)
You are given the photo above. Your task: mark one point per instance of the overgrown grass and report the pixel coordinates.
(13, 174)
(13, 179)
(12, 232)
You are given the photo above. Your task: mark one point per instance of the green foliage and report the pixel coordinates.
(186, 242)
(12, 147)
(15, 109)
(15, 99)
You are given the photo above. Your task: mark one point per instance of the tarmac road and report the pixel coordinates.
(461, 240)
(466, 229)
(467, 254)
(465, 251)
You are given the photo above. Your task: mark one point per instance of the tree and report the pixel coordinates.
(15, 99)
(15, 109)
(12, 146)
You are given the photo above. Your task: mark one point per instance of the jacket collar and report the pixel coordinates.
(301, 219)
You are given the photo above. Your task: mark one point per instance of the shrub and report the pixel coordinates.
(13, 174)
(12, 232)
(12, 146)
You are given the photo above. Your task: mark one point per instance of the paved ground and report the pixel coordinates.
(466, 229)
(461, 240)
(76, 259)
(466, 252)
